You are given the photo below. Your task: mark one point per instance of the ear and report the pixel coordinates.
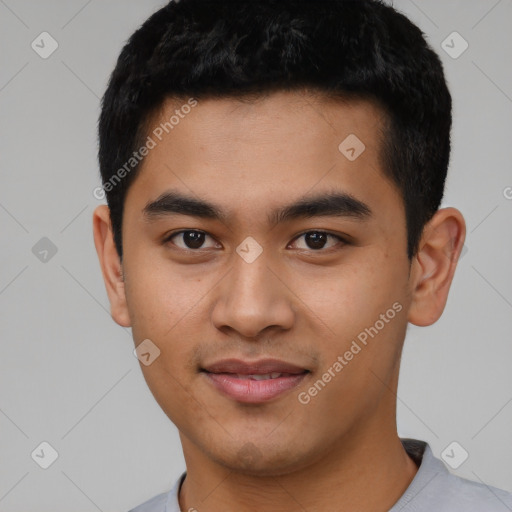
(434, 265)
(110, 263)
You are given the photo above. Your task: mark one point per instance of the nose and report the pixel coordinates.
(251, 299)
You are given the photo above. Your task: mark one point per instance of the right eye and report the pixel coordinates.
(191, 240)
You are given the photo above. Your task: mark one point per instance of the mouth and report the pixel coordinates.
(254, 382)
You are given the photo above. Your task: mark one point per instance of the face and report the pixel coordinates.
(266, 259)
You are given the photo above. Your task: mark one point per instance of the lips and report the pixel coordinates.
(262, 367)
(264, 376)
(254, 382)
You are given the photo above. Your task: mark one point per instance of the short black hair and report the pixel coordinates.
(240, 48)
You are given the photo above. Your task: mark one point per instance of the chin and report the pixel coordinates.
(262, 460)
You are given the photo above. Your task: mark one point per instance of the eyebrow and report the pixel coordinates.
(335, 204)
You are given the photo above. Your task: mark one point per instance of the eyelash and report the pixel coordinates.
(338, 237)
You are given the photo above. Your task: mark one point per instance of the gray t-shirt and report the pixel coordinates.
(433, 489)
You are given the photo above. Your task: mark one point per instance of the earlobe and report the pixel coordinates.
(111, 267)
(434, 265)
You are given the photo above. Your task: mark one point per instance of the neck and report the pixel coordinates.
(367, 470)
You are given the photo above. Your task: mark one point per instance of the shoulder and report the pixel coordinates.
(165, 502)
(435, 488)
(155, 504)
(462, 494)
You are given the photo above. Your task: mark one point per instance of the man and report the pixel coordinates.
(274, 170)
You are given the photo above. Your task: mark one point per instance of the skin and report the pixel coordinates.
(294, 303)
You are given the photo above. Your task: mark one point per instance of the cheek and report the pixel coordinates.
(167, 316)
(380, 283)
(157, 298)
(360, 312)
(352, 295)
(169, 310)
(170, 390)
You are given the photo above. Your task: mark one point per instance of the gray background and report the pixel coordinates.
(67, 372)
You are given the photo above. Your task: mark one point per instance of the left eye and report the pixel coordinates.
(192, 240)
(317, 240)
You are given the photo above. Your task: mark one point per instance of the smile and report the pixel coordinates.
(254, 382)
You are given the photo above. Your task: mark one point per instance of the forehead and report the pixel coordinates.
(283, 114)
(263, 149)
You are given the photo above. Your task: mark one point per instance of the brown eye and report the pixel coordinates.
(191, 239)
(317, 240)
